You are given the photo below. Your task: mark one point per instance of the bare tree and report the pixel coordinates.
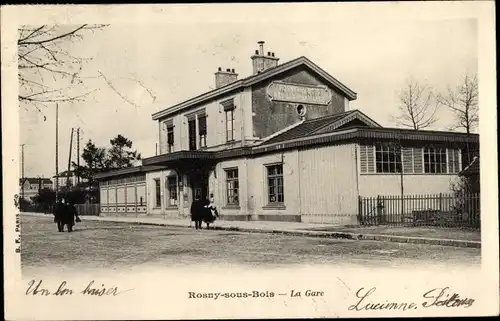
(47, 70)
(417, 106)
(463, 102)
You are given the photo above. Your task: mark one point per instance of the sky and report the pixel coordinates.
(177, 60)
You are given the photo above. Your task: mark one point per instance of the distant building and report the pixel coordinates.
(282, 144)
(63, 179)
(32, 185)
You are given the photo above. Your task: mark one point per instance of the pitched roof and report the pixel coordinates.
(471, 169)
(321, 125)
(64, 174)
(254, 79)
(35, 180)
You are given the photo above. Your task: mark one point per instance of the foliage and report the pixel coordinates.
(47, 71)
(121, 154)
(99, 159)
(463, 102)
(417, 106)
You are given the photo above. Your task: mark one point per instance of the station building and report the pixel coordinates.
(282, 144)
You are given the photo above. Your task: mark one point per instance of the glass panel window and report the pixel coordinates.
(275, 184)
(387, 159)
(192, 134)
(229, 125)
(157, 193)
(232, 186)
(172, 190)
(435, 160)
(170, 139)
(202, 128)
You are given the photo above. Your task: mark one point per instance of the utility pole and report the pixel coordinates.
(69, 159)
(78, 153)
(22, 177)
(57, 150)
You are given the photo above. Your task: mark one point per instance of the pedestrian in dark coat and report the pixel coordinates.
(59, 213)
(69, 217)
(210, 212)
(197, 213)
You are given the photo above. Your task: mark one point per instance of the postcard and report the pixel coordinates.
(223, 161)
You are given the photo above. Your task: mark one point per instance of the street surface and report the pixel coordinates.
(108, 245)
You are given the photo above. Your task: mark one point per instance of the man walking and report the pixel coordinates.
(59, 213)
(197, 212)
(70, 214)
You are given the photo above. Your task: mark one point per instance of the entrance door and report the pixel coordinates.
(199, 184)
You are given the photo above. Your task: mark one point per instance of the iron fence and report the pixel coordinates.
(442, 210)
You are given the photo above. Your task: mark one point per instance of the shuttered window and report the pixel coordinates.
(407, 159)
(367, 161)
(418, 162)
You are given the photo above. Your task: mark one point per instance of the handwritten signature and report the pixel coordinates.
(438, 297)
(37, 289)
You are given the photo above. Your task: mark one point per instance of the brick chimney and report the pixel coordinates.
(223, 78)
(261, 61)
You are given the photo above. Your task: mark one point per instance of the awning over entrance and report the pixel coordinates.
(184, 161)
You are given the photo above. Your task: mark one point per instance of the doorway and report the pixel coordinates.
(199, 185)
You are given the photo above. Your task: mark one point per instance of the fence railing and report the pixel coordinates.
(443, 210)
(82, 209)
(88, 209)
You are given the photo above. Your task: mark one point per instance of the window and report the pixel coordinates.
(157, 193)
(387, 159)
(275, 184)
(230, 125)
(170, 138)
(454, 165)
(172, 190)
(435, 160)
(202, 129)
(232, 186)
(192, 134)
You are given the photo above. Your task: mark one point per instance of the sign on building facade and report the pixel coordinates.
(307, 94)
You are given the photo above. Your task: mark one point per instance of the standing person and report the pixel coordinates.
(196, 212)
(209, 211)
(70, 213)
(59, 213)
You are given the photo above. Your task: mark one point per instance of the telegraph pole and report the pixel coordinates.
(78, 153)
(69, 159)
(57, 150)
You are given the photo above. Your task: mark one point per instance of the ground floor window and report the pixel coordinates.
(172, 190)
(435, 160)
(232, 186)
(275, 184)
(387, 159)
(157, 193)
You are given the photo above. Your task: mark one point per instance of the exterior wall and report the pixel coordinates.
(218, 185)
(372, 185)
(415, 180)
(258, 203)
(216, 124)
(164, 210)
(270, 117)
(328, 187)
(123, 197)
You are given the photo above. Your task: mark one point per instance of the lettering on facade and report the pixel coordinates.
(307, 94)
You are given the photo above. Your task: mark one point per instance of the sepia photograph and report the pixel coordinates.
(182, 159)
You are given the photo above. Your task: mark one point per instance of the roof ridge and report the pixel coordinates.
(256, 78)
